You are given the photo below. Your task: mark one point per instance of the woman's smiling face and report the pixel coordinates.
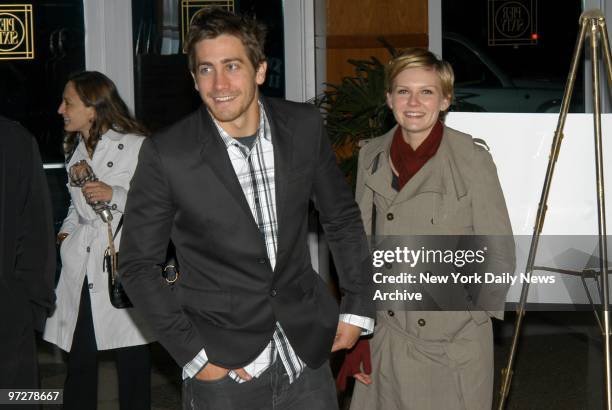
(416, 99)
(77, 116)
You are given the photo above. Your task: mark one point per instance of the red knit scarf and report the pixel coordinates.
(406, 161)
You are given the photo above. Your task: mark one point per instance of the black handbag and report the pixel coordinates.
(118, 298)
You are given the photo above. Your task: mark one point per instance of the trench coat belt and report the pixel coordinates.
(90, 222)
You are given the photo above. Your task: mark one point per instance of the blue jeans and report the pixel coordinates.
(313, 390)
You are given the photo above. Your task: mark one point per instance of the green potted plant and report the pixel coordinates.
(356, 110)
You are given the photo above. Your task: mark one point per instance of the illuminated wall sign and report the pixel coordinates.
(189, 8)
(512, 22)
(16, 32)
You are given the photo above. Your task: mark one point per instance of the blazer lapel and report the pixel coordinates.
(214, 155)
(282, 139)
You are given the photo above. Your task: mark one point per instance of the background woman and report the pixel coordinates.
(422, 178)
(99, 130)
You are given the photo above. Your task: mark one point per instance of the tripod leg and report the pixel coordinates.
(588, 294)
(554, 153)
(601, 205)
(606, 50)
(507, 371)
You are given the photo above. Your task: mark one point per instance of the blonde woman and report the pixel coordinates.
(423, 178)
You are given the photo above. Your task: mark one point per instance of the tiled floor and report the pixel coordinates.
(558, 367)
(165, 378)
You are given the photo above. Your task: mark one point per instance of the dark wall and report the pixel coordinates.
(31, 90)
(164, 88)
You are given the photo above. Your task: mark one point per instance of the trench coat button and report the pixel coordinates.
(421, 322)
(90, 286)
(120, 146)
(468, 298)
(390, 216)
(273, 292)
(261, 260)
(88, 249)
(109, 164)
(388, 265)
(391, 313)
(114, 206)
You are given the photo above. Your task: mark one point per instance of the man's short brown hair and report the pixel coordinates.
(418, 57)
(211, 23)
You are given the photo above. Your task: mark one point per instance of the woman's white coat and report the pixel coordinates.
(114, 162)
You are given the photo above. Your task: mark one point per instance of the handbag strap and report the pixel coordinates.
(111, 248)
(119, 225)
(373, 219)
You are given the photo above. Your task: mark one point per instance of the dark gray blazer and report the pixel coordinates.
(228, 299)
(27, 251)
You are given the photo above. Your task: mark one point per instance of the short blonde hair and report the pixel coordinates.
(418, 57)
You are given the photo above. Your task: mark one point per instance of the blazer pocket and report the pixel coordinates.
(299, 174)
(202, 301)
(307, 282)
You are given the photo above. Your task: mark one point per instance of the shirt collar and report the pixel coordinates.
(262, 131)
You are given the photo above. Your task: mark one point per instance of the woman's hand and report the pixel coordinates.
(97, 192)
(357, 364)
(60, 238)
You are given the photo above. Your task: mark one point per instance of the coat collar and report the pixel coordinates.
(430, 178)
(110, 135)
(377, 165)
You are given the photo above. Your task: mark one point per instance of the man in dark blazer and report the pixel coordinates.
(248, 320)
(27, 255)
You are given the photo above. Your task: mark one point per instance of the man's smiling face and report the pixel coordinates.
(228, 82)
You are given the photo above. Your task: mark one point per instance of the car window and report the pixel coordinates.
(512, 55)
(469, 70)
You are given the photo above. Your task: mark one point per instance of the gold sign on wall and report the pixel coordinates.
(512, 22)
(16, 32)
(189, 9)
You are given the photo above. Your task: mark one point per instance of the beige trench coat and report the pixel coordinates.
(433, 360)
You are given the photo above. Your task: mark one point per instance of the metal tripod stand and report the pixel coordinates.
(593, 25)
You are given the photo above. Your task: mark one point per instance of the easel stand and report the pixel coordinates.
(592, 25)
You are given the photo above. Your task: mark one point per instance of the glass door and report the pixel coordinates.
(511, 56)
(163, 87)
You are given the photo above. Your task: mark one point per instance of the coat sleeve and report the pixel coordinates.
(341, 221)
(35, 253)
(363, 195)
(71, 221)
(148, 221)
(492, 224)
